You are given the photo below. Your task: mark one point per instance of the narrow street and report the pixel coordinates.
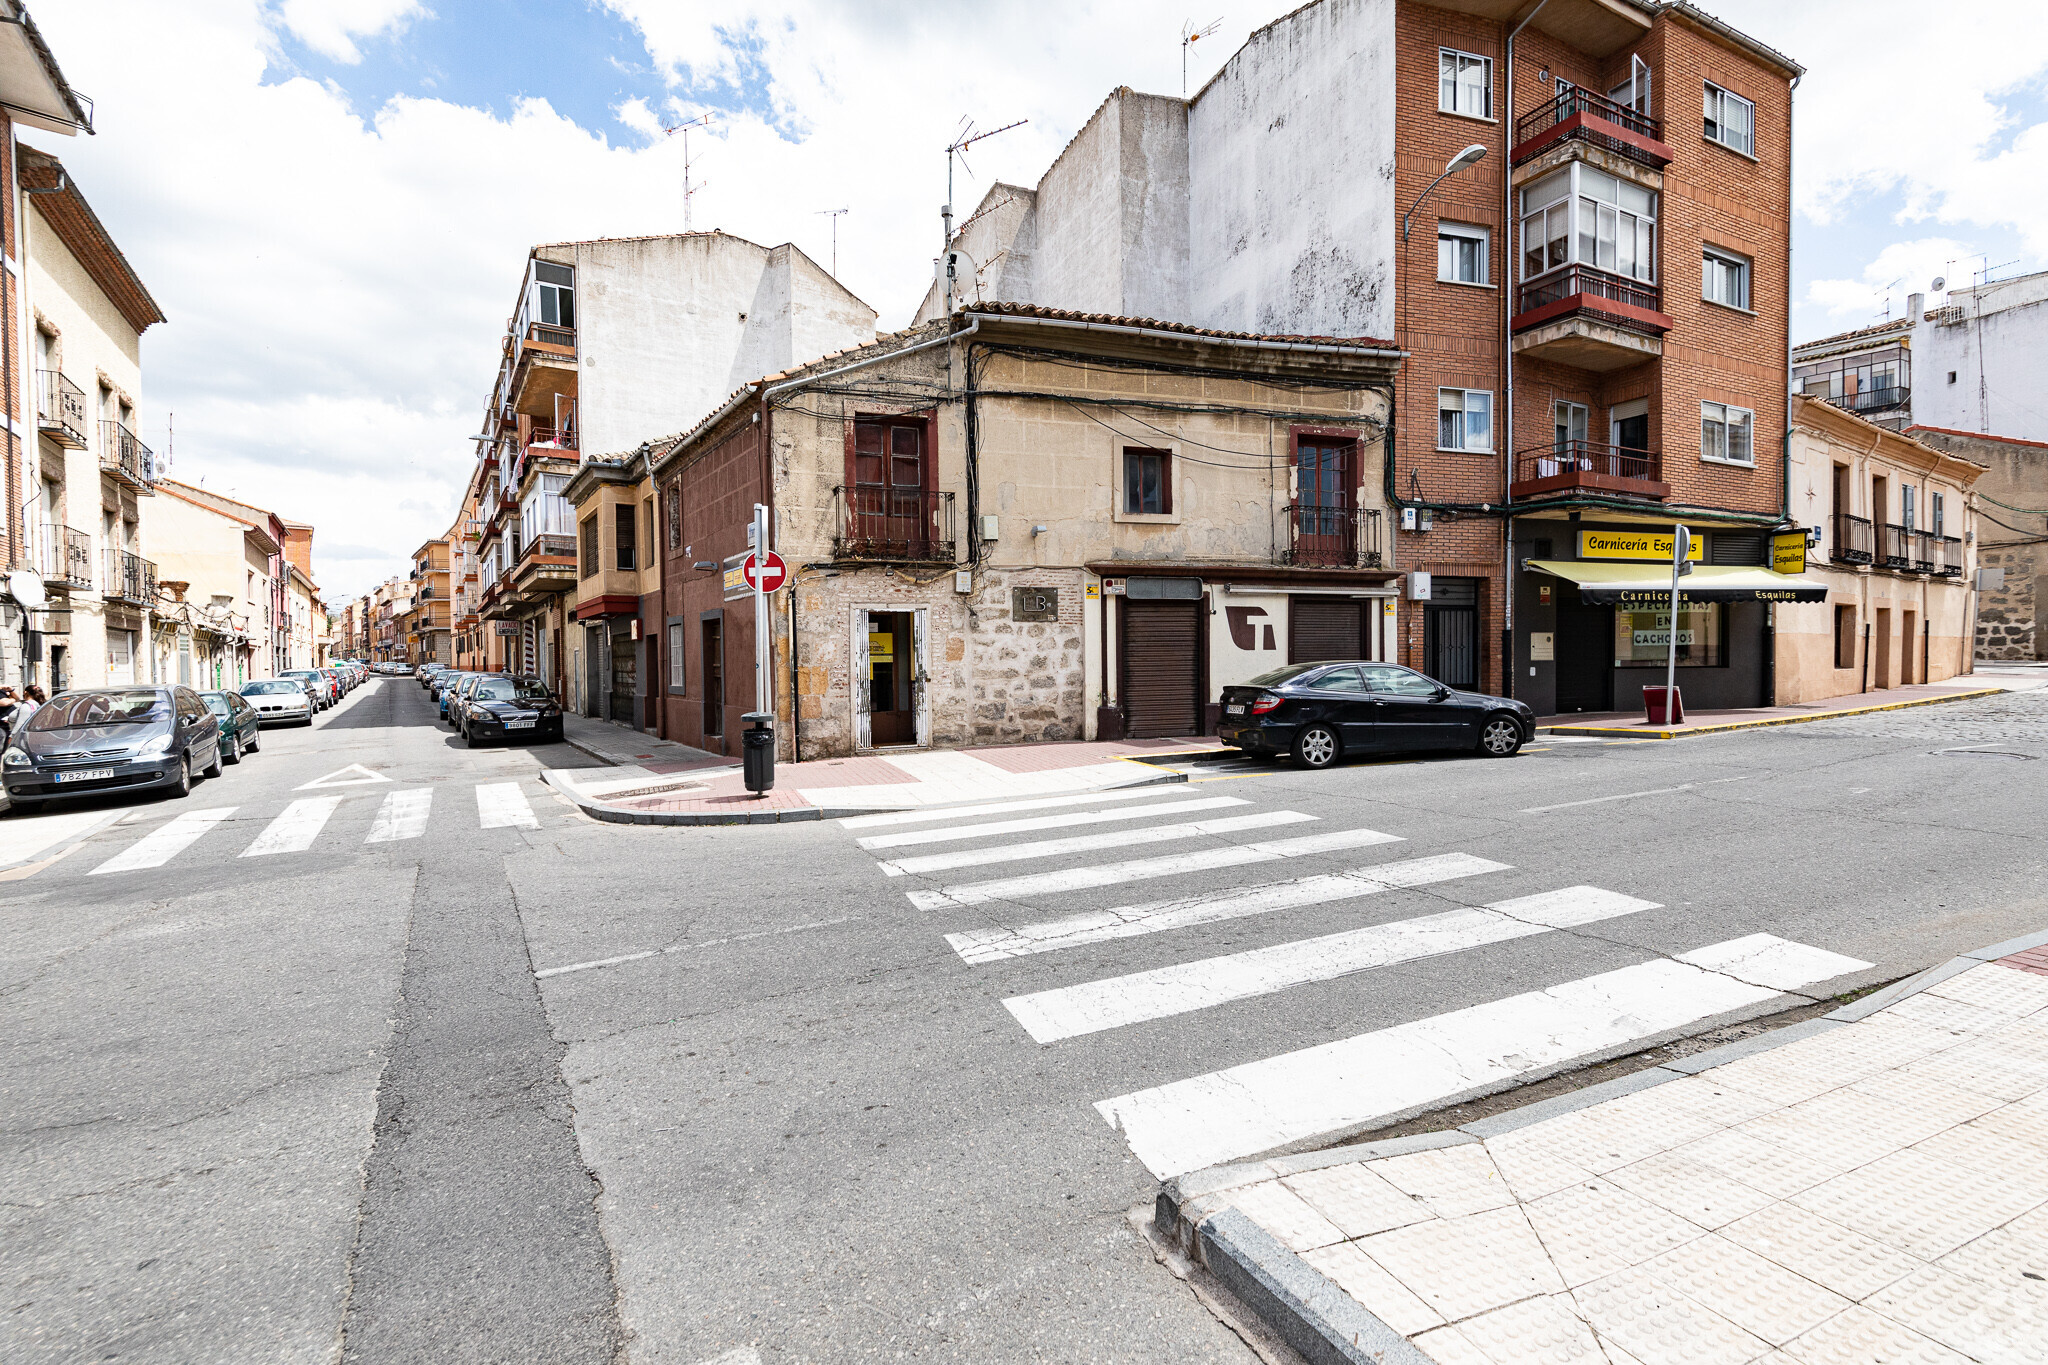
(310, 1057)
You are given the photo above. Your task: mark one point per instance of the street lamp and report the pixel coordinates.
(1471, 156)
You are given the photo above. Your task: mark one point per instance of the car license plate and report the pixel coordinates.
(86, 775)
(1237, 710)
(518, 725)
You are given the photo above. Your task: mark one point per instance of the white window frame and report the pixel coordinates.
(1717, 448)
(1587, 218)
(1447, 96)
(1718, 266)
(1937, 505)
(1448, 237)
(1471, 439)
(1716, 124)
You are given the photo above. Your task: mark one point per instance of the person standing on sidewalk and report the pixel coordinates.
(31, 702)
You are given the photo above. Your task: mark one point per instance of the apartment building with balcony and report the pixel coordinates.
(1019, 524)
(1595, 310)
(33, 96)
(92, 477)
(430, 633)
(613, 654)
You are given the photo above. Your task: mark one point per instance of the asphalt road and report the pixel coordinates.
(507, 1084)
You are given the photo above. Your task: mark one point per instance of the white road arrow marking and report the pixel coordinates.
(340, 777)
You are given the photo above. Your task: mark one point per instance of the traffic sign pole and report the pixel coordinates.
(759, 562)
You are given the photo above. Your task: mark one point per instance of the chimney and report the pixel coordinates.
(1916, 306)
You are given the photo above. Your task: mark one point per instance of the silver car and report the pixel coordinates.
(278, 700)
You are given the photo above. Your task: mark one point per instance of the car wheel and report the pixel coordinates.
(1500, 737)
(1317, 747)
(255, 740)
(468, 739)
(182, 785)
(214, 764)
(234, 751)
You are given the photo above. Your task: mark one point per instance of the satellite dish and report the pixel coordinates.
(1940, 283)
(27, 587)
(964, 274)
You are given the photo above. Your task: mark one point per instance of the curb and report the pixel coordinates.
(1642, 732)
(1328, 1326)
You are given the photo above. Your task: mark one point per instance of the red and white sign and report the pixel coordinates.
(766, 576)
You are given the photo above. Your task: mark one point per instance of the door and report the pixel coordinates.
(120, 656)
(1629, 425)
(1909, 647)
(1568, 421)
(1450, 632)
(1585, 655)
(712, 652)
(625, 653)
(1322, 495)
(1411, 711)
(1160, 669)
(1324, 628)
(1881, 645)
(892, 679)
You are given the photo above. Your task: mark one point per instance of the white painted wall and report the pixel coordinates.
(1997, 334)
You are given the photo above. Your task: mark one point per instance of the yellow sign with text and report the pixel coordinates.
(1635, 545)
(1788, 552)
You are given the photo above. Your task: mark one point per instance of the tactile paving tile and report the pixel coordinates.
(1448, 1346)
(1811, 1132)
(1721, 1105)
(1356, 1200)
(1694, 1191)
(1773, 1166)
(1884, 1040)
(1540, 1331)
(1283, 1213)
(1606, 1135)
(1877, 1123)
(2005, 1257)
(1777, 1076)
(1531, 1165)
(1983, 1070)
(1661, 1326)
(1918, 1203)
(1463, 1266)
(1966, 1315)
(1822, 1250)
(1758, 1295)
(1996, 988)
(1924, 1092)
(1857, 1336)
(1365, 1280)
(1451, 1180)
(1594, 1228)
(1992, 1154)
(1929, 1008)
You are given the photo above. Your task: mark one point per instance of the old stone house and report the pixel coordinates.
(2012, 538)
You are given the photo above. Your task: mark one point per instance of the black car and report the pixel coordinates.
(498, 707)
(1318, 713)
(102, 739)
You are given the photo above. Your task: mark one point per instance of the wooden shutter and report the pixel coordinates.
(1323, 628)
(1161, 656)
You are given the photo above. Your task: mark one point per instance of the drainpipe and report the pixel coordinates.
(1507, 354)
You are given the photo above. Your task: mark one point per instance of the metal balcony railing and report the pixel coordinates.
(1854, 541)
(1587, 465)
(552, 336)
(1591, 283)
(1332, 536)
(1948, 556)
(893, 523)
(64, 556)
(1893, 548)
(548, 543)
(130, 578)
(1597, 109)
(1920, 545)
(1872, 400)
(60, 410)
(126, 458)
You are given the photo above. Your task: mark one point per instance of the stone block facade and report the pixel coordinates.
(2008, 617)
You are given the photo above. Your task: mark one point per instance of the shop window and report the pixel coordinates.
(1148, 483)
(677, 677)
(1643, 638)
(1845, 637)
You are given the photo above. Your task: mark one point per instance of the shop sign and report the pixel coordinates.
(1635, 545)
(1112, 587)
(1661, 639)
(1034, 604)
(881, 646)
(1788, 552)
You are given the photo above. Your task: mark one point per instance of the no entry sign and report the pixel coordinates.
(767, 575)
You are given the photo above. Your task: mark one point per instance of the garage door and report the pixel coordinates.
(1162, 661)
(1320, 628)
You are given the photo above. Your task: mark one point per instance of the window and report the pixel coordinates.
(675, 515)
(588, 566)
(1340, 680)
(1148, 483)
(1634, 93)
(1464, 83)
(1464, 419)
(651, 542)
(1644, 637)
(1906, 492)
(1726, 434)
(554, 294)
(1731, 120)
(1845, 637)
(1568, 424)
(1724, 278)
(1951, 376)
(1937, 509)
(626, 553)
(1399, 682)
(1461, 253)
(1581, 215)
(676, 674)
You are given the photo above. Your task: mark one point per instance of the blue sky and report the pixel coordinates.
(332, 198)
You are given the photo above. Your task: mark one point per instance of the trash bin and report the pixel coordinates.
(1653, 703)
(757, 750)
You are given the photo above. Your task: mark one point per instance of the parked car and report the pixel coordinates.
(454, 699)
(335, 680)
(238, 722)
(316, 683)
(1318, 713)
(101, 739)
(505, 708)
(438, 686)
(427, 673)
(280, 699)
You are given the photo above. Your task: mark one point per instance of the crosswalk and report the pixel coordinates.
(401, 814)
(1018, 910)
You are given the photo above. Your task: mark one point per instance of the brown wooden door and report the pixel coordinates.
(1325, 628)
(888, 487)
(1322, 502)
(1161, 658)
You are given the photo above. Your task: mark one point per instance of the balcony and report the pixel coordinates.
(1589, 318)
(1894, 548)
(1871, 400)
(1920, 544)
(910, 525)
(1948, 556)
(1584, 116)
(64, 557)
(60, 410)
(549, 543)
(1322, 536)
(128, 460)
(1854, 540)
(1588, 467)
(130, 578)
(543, 370)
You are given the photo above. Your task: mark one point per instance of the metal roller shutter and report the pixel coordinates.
(1161, 653)
(1320, 628)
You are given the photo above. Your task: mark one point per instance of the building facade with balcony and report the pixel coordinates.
(612, 654)
(92, 478)
(224, 553)
(433, 609)
(1020, 524)
(1891, 527)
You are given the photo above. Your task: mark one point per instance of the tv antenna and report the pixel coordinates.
(702, 120)
(1189, 36)
(965, 137)
(833, 214)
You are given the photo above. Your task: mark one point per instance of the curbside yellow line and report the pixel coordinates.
(1638, 732)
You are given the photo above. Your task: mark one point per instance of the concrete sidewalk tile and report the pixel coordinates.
(1966, 1315)
(1857, 1336)
(1284, 1214)
(1450, 1182)
(1831, 1255)
(1778, 1078)
(1531, 1167)
(1691, 1189)
(1721, 1105)
(2006, 1258)
(1758, 1295)
(1541, 1331)
(1918, 1203)
(1464, 1266)
(1998, 988)
(1984, 1069)
(1357, 1200)
(1449, 1346)
(1874, 1119)
(2022, 1121)
(1364, 1279)
(1369, 1151)
(1931, 1007)
(1595, 1228)
(1923, 1092)
(1617, 1133)
(1810, 1132)
(1990, 1153)
(1774, 1166)
(1661, 1326)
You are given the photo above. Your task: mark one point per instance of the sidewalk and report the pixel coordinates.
(1631, 725)
(672, 784)
(1870, 1186)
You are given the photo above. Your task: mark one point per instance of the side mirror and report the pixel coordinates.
(1442, 692)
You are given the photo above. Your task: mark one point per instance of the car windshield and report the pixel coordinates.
(271, 687)
(1280, 675)
(115, 706)
(512, 689)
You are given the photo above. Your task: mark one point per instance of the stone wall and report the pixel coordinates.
(2008, 618)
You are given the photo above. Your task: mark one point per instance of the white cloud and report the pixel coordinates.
(1900, 269)
(330, 27)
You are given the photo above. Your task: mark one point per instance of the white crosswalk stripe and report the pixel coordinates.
(994, 827)
(1089, 843)
(161, 845)
(914, 817)
(402, 816)
(501, 805)
(295, 828)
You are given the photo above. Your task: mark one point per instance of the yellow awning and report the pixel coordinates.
(1649, 585)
